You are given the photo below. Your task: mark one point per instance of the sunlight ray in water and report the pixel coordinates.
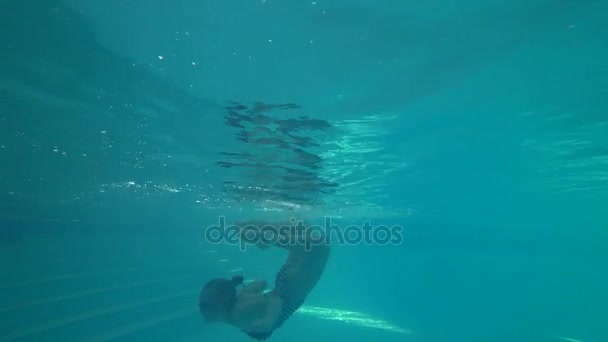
(59, 322)
(349, 317)
(568, 339)
(352, 317)
(141, 325)
(75, 295)
(83, 275)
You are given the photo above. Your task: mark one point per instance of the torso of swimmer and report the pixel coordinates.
(258, 312)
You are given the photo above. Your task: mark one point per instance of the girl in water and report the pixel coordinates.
(250, 308)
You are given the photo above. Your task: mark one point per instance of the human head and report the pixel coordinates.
(217, 298)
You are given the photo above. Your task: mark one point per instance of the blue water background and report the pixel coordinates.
(480, 127)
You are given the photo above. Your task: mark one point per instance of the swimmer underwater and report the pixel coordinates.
(256, 312)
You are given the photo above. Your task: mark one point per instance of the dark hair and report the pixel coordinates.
(218, 296)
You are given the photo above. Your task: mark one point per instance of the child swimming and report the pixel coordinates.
(250, 308)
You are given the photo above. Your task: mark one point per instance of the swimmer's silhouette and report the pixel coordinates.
(251, 309)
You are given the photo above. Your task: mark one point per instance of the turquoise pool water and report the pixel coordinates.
(127, 128)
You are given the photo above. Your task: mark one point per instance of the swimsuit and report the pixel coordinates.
(281, 289)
